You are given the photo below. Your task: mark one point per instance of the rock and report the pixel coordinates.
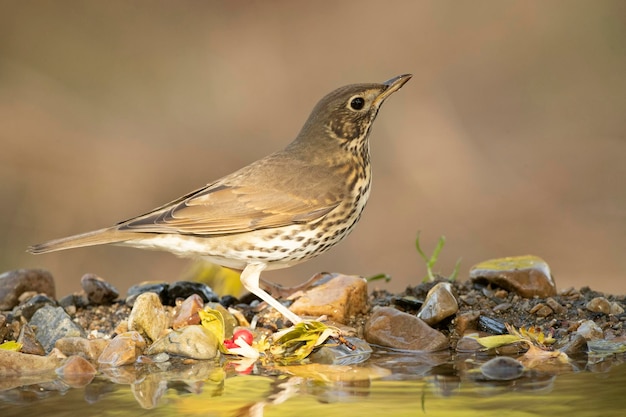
(502, 368)
(124, 349)
(599, 305)
(340, 354)
(188, 312)
(528, 276)
(148, 316)
(21, 364)
(616, 309)
(33, 304)
(183, 289)
(52, 324)
(76, 371)
(98, 290)
(466, 321)
(340, 299)
(541, 310)
(589, 330)
(491, 325)
(575, 345)
(14, 283)
(29, 341)
(90, 349)
(555, 306)
(159, 288)
(395, 329)
(193, 342)
(468, 345)
(439, 304)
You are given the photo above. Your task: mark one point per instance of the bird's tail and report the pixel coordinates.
(97, 237)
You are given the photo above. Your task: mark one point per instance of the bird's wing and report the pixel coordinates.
(226, 207)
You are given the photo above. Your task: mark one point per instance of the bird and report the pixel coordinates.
(283, 209)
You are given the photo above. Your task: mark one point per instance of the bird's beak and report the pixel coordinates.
(392, 85)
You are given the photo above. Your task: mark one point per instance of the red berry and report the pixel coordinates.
(245, 334)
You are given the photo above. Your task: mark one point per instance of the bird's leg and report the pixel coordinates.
(250, 280)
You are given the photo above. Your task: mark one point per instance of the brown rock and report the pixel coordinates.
(123, 350)
(148, 316)
(528, 276)
(193, 342)
(439, 304)
(98, 290)
(76, 371)
(341, 298)
(90, 349)
(599, 305)
(29, 341)
(15, 283)
(466, 321)
(188, 312)
(20, 364)
(392, 328)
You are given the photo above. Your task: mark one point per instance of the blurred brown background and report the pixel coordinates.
(509, 140)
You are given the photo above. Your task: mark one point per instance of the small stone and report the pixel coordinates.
(541, 310)
(148, 316)
(183, 289)
(599, 305)
(468, 345)
(575, 345)
(616, 309)
(491, 325)
(76, 372)
(502, 368)
(528, 276)
(590, 330)
(193, 342)
(21, 364)
(29, 341)
(159, 288)
(90, 349)
(392, 328)
(439, 304)
(502, 307)
(124, 349)
(340, 299)
(53, 323)
(98, 290)
(188, 312)
(14, 283)
(28, 308)
(466, 321)
(555, 306)
(340, 354)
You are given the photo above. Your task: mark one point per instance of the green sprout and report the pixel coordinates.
(432, 259)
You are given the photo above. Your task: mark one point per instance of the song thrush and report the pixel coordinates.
(276, 212)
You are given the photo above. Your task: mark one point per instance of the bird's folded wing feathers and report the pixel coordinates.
(219, 209)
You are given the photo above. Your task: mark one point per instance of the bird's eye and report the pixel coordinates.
(357, 103)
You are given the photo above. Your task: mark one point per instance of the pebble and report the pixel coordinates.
(193, 342)
(159, 288)
(541, 310)
(98, 290)
(29, 341)
(491, 325)
(616, 309)
(21, 364)
(599, 305)
(466, 321)
(440, 303)
(28, 308)
(188, 312)
(590, 330)
(76, 372)
(340, 299)
(528, 276)
(468, 345)
(576, 344)
(502, 368)
(124, 349)
(555, 306)
(183, 289)
(90, 349)
(53, 323)
(340, 354)
(395, 329)
(148, 316)
(14, 283)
